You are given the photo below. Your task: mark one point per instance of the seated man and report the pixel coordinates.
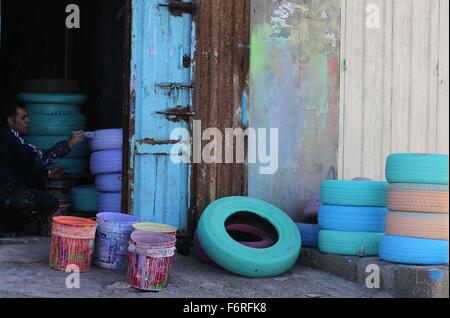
(20, 165)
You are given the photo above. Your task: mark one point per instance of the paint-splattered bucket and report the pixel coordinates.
(156, 228)
(72, 243)
(150, 257)
(113, 236)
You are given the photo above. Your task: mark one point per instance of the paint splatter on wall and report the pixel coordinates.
(294, 85)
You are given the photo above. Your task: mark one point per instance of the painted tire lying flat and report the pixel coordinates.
(418, 225)
(109, 182)
(406, 250)
(349, 243)
(110, 202)
(411, 197)
(417, 168)
(352, 219)
(54, 109)
(34, 98)
(73, 166)
(353, 193)
(309, 234)
(85, 199)
(56, 125)
(242, 260)
(106, 162)
(46, 142)
(58, 86)
(108, 139)
(265, 241)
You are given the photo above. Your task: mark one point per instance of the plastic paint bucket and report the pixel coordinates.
(156, 228)
(113, 236)
(72, 243)
(150, 257)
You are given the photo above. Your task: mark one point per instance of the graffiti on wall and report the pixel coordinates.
(294, 85)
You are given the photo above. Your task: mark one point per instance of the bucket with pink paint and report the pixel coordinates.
(156, 228)
(150, 257)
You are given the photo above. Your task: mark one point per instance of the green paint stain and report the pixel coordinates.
(258, 49)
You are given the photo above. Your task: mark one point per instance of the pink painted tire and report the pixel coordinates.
(264, 242)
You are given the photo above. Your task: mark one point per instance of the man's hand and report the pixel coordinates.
(76, 138)
(56, 174)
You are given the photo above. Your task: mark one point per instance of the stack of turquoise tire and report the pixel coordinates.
(417, 228)
(352, 217)
(53, 118)
(85, 199)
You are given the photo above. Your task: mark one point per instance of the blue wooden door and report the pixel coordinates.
(161, 76)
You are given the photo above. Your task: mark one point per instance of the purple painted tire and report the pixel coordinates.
(110, 202)
(107, 139)
(109, 182)
(312, 206)
(264, 242)
(106, 162)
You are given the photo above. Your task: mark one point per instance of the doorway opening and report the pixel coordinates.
(37, 45)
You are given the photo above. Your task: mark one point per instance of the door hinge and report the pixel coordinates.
(177, 8)
(173, 86)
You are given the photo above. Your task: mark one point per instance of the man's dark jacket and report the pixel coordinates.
(21, 162)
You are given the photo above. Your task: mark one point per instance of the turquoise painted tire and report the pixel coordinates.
(46, 142)
(54, 109)
(73, 166)
(417, 168)
(34, 98)
(405, 250)
(242, 260)
(352, 219)
(349, 243)
(56, 125)
(85, 198)
(353, 193)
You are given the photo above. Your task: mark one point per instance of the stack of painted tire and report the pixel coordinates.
(85, 199)
(417, 227)
(106, 166)
(53, 118)
(352, 217)
(310, 231)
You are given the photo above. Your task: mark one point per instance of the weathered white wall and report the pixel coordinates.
(394, 83)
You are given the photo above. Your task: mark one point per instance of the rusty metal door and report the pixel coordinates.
(160, 102)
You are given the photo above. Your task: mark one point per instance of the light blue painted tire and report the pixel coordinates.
(242, 260)
(54, 109)
(46, 142)
(106, 162)
(85, 199)
(353, 193)
(56, 125)
(34, 98)
(349, 243)
(107, 139)
(405, 250)
(73, 166)
(110, 203)
(309, 234)
(352, 219)
(417, 168)
(109, 182)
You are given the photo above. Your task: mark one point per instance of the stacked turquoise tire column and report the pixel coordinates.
(417, 227)
(53, 118)
(352, 217)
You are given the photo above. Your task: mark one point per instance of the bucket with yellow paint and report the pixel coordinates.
(156, 228)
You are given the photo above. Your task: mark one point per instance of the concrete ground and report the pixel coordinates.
(24, 272)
